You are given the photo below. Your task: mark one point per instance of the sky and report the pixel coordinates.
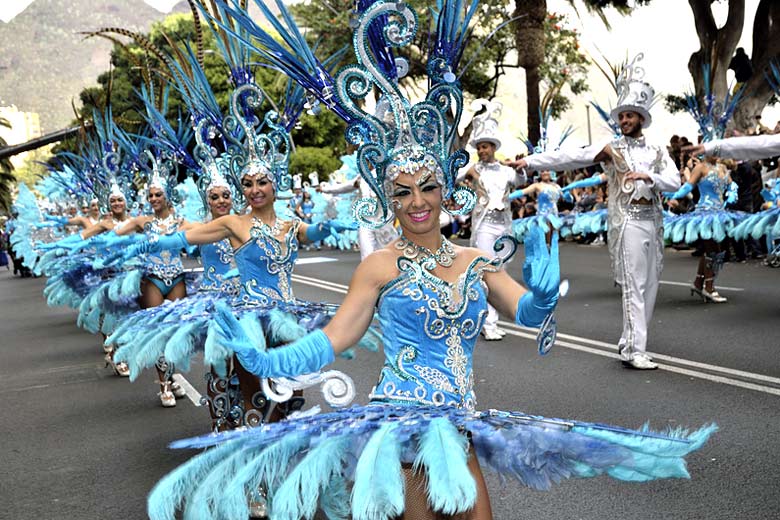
(664, 31)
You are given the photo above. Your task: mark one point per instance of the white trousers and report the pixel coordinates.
(639, 262)
(486, 235)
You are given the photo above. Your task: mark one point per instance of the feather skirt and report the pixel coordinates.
(356, 456)
(704, 224)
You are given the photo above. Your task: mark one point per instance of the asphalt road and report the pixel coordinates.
(77, 442)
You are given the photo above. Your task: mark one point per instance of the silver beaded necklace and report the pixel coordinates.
(443, 256)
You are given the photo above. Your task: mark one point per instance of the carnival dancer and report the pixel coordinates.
(637, 173)
(547, 193)
(765, 223)
(90, 218)
(709, 222)
(264, 245)
(493, 181)
(385, 460)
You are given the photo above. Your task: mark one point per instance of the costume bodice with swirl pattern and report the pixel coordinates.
(429, 330)
(217, 260)
(265, 265)
(165, 265)
(712, 188)
(547, 200)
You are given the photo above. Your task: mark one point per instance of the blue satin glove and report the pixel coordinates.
(40, 225)
(584, 183)
(542, 276)
(303, 356)
(684, 190)
(516, 195)
(159, 243)
(65, 243)
(768, 195)
(322, 230)
(568, 197)
(56, 218)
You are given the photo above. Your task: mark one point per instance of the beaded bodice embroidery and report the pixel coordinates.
(547, 200)
(217, 260)
(430, 328)
(265, 264)
(712, 187)
(165, 265)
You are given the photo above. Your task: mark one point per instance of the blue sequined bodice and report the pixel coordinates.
(429, 330)
(712, 187)
(165, 265)
(265, 265)
(547, 200)
(217, 260)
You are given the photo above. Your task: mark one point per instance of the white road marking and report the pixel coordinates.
(192, 394)
(315, 260)
(516, 330)
(688, 284)
(661, 357)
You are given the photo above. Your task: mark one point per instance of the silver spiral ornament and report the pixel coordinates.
(338, 389)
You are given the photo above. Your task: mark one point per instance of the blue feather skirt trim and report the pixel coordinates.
(546, 222)
(183, 328)
(595, 221)
(765, 222)
(702, 224)
(349, 462)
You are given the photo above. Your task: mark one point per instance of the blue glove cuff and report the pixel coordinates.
(531, 313)
(303, 356)
(684, 190)
(516, 195)
(584, 183)
(317, 231)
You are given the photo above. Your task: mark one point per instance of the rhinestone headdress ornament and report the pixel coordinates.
(408, 137)
(634, 94)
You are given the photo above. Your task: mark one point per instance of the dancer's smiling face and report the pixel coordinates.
(220, 201)
(417, 201)
(94, 209)
(258, 190)
(117, 205)
(157, 199)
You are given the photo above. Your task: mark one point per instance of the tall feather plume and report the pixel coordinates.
(443, 452)
(378, 492)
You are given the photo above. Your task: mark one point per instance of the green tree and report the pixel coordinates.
(7, 178)
(307, 159)
(137, 59)
(34, 166)
(531, 43)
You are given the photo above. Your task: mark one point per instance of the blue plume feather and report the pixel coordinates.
(379, 486)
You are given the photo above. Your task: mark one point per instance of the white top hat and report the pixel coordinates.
(634, 94)
(486, 123)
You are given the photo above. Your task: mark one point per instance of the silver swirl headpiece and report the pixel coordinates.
(400, 137)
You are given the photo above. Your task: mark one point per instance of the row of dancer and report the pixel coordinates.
(429, 296)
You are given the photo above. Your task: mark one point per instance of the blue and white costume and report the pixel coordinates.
(546, 217)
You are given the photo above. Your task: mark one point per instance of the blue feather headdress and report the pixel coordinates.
(406, 138)
(714, 116)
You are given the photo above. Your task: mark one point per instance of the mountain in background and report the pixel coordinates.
(45, 63)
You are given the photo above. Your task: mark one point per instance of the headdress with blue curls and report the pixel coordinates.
(713, 117)
(420, 135)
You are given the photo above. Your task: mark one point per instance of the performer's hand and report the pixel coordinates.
(694, 149)
(638, 176)
(541, 269)
(233, 336)
(517, 164)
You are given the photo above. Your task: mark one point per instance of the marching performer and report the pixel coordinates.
(492, 181)
(636, 173)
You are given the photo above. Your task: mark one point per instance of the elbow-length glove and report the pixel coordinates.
(684, 190)
(57, 219)
(584, 183)
(542, 276)
(322, 230)
(139, 245)
(303, 356)
(66, 243)
(516, 195)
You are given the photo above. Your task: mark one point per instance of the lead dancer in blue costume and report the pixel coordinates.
(415, 451)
